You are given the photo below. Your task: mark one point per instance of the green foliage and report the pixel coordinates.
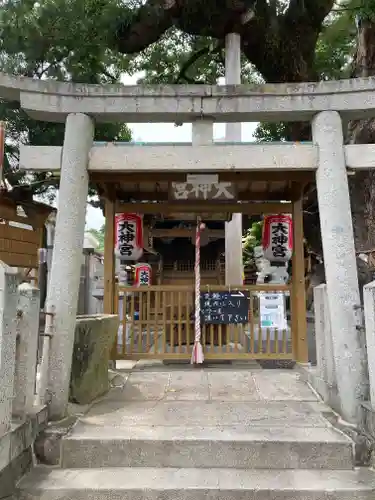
(336, 44)
(61, 38)
(252, 239)
(55, 39)
(182, 58)
(366, 8)
(99, 235)
(270, 132)
(70, 39)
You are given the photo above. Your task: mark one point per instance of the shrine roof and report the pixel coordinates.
(176, 199)
(12, 205)
(173, 187)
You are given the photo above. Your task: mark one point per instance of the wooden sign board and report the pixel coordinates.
(202, 178)
(185, 191)
(225, 307)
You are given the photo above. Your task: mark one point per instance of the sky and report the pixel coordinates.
(162, 132)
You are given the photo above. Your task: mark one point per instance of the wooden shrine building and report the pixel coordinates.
(170, 206)
(22, 231)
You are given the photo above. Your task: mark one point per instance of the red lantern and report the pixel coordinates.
(277, 238)
(128, 236)
(143, 275)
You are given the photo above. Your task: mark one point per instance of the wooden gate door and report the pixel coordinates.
(157, 322)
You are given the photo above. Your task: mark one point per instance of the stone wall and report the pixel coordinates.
(16, 449)
(21, 419)
(323, 377)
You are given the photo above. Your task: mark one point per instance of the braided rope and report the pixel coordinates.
(197, 354)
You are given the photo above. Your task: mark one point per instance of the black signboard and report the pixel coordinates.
(225, 307)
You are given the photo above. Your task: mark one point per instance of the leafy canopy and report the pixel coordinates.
(54, 39)
(77, 40)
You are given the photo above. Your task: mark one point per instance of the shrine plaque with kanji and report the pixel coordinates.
(225, 307)
(221, 191)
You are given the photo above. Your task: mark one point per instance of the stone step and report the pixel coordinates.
(233, 447)
(196, 484)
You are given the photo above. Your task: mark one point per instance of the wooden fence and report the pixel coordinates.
(157, 322)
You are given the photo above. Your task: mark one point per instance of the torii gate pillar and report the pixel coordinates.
(340, 262)
(62, 298)
(233, 229)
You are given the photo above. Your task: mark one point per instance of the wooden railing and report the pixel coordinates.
(189, 265)
(158, 322)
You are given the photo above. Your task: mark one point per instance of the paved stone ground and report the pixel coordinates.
(153, 394)
(212, 433)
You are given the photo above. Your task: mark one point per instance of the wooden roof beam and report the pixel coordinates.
(154, 177)
(185, 233)
(242, 196)
(203, 207)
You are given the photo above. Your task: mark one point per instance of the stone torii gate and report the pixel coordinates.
(324, 104)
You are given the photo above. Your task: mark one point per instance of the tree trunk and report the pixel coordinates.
(281, 45)
(362, 184)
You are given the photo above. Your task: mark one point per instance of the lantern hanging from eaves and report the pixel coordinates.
(143, 274)
(128, 236)
(277, 237)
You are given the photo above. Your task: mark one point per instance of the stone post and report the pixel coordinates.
(233, 131)
(8, 334)
(340, 262)
(233, 229)
(64, 279)
(323, 336)
(27, 349)
(369, 310)
(202, 132)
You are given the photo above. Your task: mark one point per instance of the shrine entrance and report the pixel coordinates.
(158, 318)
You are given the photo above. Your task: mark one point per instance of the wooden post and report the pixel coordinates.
(299, 321)
(109, 258)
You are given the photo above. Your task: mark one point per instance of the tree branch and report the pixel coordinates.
(194, 58)
(273, 7)
(141, 27)
(256, 37)
(292, 44)
(318, 10)
(313, 10)
(214, 18)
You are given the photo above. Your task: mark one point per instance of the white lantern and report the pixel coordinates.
(277, 238)
(129, 236)
(142, 275)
